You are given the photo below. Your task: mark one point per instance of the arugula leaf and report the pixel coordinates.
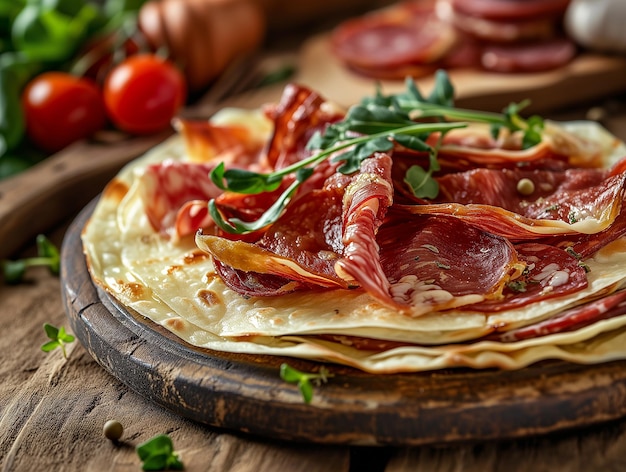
(304, 380)
(237, 226)
(531, 128)
(243, 181)
(158, 453)
(421, 182)
(58, 339)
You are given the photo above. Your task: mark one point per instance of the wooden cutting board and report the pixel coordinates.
(245, 393)
(589, 77)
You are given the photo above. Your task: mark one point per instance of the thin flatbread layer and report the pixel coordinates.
(175, 285)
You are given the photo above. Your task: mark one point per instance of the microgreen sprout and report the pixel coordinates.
(304, 380)
(47, 255)
(158, 453)
(58, 339)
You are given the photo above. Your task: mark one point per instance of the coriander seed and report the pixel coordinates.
(113, 430)
(525, 186)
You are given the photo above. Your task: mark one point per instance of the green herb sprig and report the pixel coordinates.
(440, 105)
(158, 453)
(58, 339)
(47, 256)
(304, 380)
(374, 125)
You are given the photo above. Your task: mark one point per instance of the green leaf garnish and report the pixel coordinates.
(47, 255)
(158, 453)
(421, 182)
(303, 380)
(58, 339)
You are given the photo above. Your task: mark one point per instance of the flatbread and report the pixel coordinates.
(174, 284)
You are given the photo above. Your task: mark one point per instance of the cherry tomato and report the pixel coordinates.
(143, 93)
(60, 108)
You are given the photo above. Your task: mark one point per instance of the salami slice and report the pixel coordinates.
(167, 186)
(399, 36)
(511, 10)
(550, 272)
(573, 319)
(569, 196)
(528, 57)
(421, 254)
(501, 30)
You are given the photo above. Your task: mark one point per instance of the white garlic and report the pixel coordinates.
(598, 24)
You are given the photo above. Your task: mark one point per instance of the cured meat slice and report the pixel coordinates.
(498, 30)
(508, 224)
(565, 203)
(437, 259)
(365, 203)
(584, 246)
(167, 186)
(206, 142)
(298, 115)
(191, 217)
(475, 147)
(550, 272)
(609, 306)
(512, 10)
(528, 57)
(402, 35)
(570, 196)
(255, 284)
(301, 247)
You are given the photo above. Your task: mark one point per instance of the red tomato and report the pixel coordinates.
(60, 108)
(143, 93)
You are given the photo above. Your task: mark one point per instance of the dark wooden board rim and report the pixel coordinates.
(244, 393)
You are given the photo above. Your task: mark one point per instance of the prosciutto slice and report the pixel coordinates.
(570, 196)
(301, 247)
(365, 203)
(298, 115)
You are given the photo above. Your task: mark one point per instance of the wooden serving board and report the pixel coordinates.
(587, 78)
(245, 393)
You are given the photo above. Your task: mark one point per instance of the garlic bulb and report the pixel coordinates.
(597, 24)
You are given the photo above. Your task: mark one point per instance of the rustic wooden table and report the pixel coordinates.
(52, 409)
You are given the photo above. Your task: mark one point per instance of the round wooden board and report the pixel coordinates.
(245, 393)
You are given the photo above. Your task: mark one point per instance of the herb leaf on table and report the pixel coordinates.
(158, 453)
(58, 339)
